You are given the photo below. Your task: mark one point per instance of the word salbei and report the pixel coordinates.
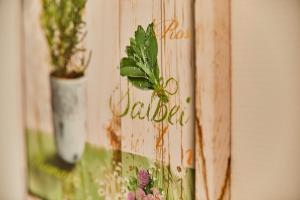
(157, 110)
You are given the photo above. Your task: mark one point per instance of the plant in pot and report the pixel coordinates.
(63, 25)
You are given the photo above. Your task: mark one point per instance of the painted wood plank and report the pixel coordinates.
(138, 136)
(103, 73)
(169, 144)
(178, 63)
(213, 99)
(36, 69)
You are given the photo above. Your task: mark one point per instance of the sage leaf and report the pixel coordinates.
(127, 62)
(151, 46)
(141, 83)
(132, 72)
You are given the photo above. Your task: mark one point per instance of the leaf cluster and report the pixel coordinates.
(140, 66)
(63, 25)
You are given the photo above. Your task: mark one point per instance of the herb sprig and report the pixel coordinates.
(63, 25)
(140, 66)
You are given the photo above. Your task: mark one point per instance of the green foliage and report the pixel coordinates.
(63, 27)
(95, 176)
(140, 66)
(132, 184)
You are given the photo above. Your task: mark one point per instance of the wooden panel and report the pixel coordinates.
(110, 25)
(266, 96)
(176, 60)
(138, 136)
(213, 114)
(103, 73)
(36, 68)
(171, 145)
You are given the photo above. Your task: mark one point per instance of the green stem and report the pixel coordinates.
(161, 93)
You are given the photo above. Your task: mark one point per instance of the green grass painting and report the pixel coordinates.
(98, 175)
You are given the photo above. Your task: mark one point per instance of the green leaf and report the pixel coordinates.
(132, 72)
(129, 51)
(127, 62)
(133, 184)
(156, 72)
(144, 68)
(140, 37)
(141, 83)
(151, 45)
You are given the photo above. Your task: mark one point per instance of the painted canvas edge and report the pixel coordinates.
(213, 99)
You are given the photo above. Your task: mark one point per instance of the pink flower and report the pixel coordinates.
(131, 196)
(143, 178)
(139, 194)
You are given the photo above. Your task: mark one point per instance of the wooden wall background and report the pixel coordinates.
(110, 24)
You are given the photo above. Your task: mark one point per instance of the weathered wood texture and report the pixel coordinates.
(138, 136)
(107, 39)
(110, 25)
(213, 99)
(173, 24)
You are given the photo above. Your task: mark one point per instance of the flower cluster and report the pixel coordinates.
(143, 187)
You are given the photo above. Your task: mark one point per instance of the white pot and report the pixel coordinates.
(69, 116)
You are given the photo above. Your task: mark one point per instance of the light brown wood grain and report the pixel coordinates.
(213, 99)
(177, 61)
(138, 136)
(103, 73)
(36, 69)
(166, 143)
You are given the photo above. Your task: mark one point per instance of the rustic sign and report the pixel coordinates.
(136, 142)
